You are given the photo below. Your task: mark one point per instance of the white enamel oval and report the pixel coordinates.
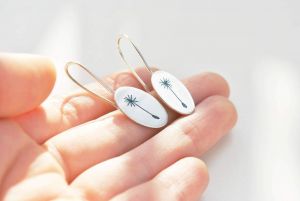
(173, 92)
(141, 107)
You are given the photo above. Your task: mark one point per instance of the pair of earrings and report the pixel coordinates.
(138, 105)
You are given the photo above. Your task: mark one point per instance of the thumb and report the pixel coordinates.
(25, 81)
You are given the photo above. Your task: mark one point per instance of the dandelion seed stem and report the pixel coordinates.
(182, 103)
(154, 116)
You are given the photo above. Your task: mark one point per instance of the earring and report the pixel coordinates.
(170, 89)
(139, 106)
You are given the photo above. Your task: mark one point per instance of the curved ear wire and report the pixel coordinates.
(124, 36)
(104, 85)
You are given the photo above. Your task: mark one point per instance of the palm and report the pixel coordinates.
(111, 157)
(34, 171)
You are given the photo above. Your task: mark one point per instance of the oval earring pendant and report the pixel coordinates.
(170, 89)
(173, 92)
(141, 107)
(136, 104)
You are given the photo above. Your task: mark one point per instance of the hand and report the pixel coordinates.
(45, 155)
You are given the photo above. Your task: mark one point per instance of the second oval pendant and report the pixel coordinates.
(141, 107)
(173, 92)
(170, 89)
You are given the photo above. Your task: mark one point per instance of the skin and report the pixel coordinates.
(78, 147)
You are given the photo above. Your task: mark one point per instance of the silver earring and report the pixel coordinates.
(139, 106)
(170, 89)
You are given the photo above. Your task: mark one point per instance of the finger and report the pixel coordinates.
(63, 112)
(188, 136)
(185, 180)
(114, 134)
(25, 81)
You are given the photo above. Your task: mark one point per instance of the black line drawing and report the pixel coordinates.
(132, 102)
(166, 83)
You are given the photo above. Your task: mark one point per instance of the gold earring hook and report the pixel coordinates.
(99, 81)
(124, 36)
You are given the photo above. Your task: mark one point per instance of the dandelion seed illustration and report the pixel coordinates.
(132, 102)
(166, 83)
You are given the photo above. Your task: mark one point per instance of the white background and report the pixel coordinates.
(254, 44)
